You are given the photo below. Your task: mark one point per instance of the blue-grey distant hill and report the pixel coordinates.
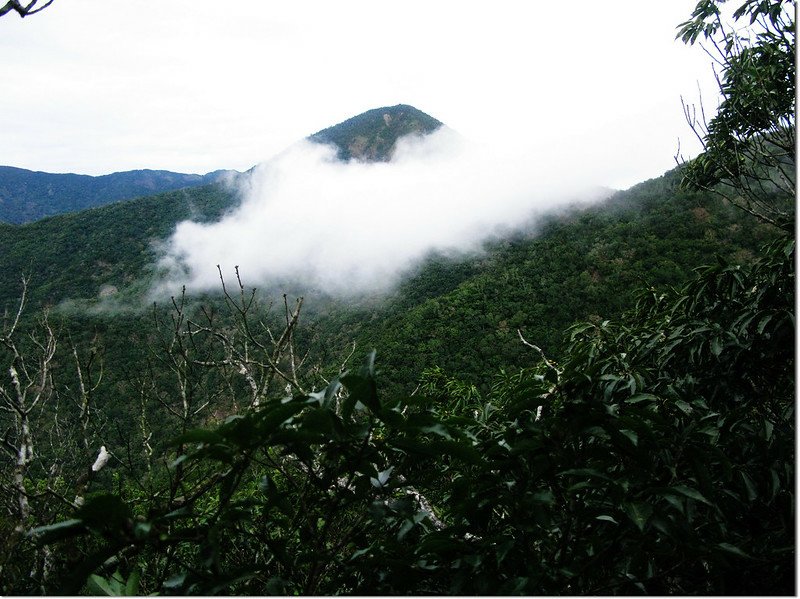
(26, 196)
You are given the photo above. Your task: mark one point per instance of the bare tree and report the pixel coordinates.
(47, 450)
(28, 386)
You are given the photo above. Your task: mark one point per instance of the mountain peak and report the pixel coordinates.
(371, 136)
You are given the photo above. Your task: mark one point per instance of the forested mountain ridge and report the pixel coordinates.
(27, 196)
(585, 261)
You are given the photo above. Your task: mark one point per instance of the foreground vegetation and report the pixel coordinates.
(656, 456)
(222, 447)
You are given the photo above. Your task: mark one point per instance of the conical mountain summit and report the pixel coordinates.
(372, 135)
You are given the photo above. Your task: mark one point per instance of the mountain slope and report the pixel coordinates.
(371, 136)
(81, 254)
(27, 196)
(462, 314)
(77, 255)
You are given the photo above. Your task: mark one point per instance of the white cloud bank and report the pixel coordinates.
(354, 227)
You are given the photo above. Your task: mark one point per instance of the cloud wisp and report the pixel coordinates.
(348, 228)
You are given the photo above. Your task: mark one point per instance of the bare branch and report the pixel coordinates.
(23, 10)
(546, 360)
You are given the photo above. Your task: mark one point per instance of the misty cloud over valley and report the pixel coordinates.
(307, 218)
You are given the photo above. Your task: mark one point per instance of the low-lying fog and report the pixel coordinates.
(354, 227)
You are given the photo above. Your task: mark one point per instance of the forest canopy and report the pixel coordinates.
(228, 449)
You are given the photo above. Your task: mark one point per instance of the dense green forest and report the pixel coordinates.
(601, 402)
(106, 246)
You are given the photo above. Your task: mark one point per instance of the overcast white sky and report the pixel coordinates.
(97, 86)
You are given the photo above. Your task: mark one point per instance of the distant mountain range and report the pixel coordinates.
(27, 196)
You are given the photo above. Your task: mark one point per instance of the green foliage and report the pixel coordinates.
(656, 456)
(305, 495)
(114, 586)
(655, 467)
(750, 142)
(111, 246)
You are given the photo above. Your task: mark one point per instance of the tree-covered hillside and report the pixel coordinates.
(27, 196)
(371, 136)
(598, 403)
(654, 455)
(78, 255)
(463, 314)
(460, 313)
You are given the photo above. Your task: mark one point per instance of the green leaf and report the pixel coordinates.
(358, 553)
(362, 389)
(640, 397)
(56, 532)
(105, 512)
(176, 581)
(327, 395)
(545, 497)
(763, 323)
(690, 493)
(631, 435)
(132, 586)
(272, 418)
(97, 585)
(607, 518)
(383, 478)
(438, 429)
(320, 422)
(181, 512)
(639, 512)
(392, 417)
(749, 486)
(142, 530)
(585, 472)
(768, 428)
(775, 483)
(405, 528)
(733, 549)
